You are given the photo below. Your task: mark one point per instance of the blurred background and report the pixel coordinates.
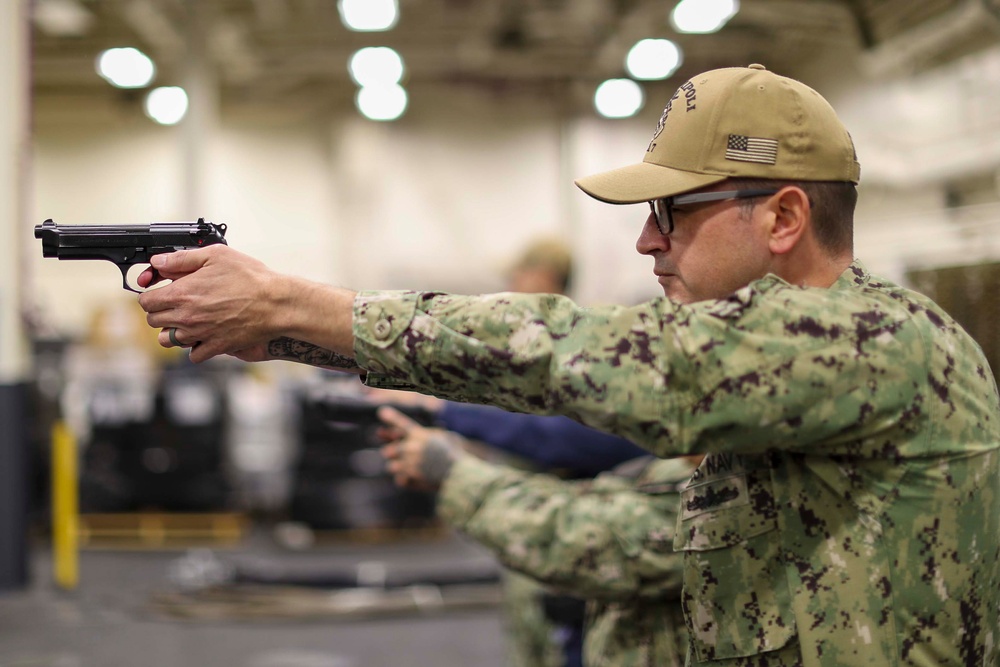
(410, 144)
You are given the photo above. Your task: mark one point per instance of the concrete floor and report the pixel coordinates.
(109, 621)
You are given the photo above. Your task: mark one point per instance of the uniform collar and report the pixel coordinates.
(856, 275)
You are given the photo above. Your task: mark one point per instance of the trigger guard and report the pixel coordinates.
(124, 268)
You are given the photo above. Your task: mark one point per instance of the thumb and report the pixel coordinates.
(393, 417)
(180, 262)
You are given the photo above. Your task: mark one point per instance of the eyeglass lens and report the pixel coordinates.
(662, 215)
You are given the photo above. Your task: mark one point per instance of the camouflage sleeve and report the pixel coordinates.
(544, 355)
(780, 366)
(600, 540)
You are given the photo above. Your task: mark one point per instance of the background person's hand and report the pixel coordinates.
(426, 402)
(417, 457)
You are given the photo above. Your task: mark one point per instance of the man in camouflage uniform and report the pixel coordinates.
(848, 510)
(609, 540)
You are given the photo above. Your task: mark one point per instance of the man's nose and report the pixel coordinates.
(650, 239)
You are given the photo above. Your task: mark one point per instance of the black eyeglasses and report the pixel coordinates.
(662, 208)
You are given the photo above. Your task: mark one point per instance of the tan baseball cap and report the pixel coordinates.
(735, 122)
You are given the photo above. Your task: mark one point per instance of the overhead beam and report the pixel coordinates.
(910, 51)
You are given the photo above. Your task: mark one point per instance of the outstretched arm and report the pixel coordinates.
(605, 540)
(610, 539)
(554, 442)
(290, 349)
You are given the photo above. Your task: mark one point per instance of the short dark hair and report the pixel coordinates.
(832, 204)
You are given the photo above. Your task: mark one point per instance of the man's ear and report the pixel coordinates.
(791, 217)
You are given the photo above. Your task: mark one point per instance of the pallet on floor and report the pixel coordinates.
(162, 530)
(298, 536)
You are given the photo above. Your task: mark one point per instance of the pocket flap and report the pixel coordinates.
(721, 513)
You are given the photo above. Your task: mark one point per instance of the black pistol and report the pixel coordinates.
(344, 413)
(126, 245)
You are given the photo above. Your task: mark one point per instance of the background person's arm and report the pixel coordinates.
(552, 442)
(602, 540)
(606, 539)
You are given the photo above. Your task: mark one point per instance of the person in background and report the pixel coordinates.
(544, 630)
(545, 266)
(608, 540)
(847, 511)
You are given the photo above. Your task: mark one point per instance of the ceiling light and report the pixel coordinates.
(368, 15)
(381, 102)
(126, 67)
(373, 65)
(167, 105)
(703, 16)
(618, 98)
(653, 59)
(62, 18)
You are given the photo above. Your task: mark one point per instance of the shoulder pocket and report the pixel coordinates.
(736, 600)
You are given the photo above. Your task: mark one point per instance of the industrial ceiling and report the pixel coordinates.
(287, 53)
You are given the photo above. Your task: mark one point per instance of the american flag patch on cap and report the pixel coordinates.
(751, 149)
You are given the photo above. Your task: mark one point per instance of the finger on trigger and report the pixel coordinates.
(181, 262)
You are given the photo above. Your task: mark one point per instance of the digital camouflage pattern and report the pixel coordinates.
(608, 540)
(532, 639)
(849, 513)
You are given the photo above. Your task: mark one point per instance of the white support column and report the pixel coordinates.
(14, 154)
(14, 355)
